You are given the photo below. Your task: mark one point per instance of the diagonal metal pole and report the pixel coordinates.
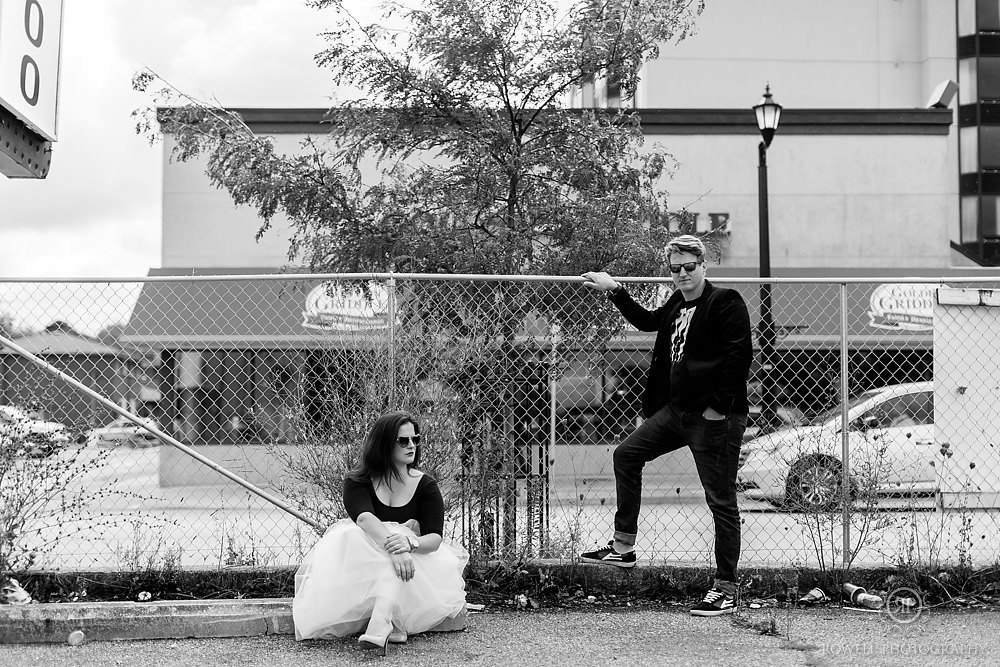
(52, 370)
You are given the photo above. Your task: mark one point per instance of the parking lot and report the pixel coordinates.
(223, 524)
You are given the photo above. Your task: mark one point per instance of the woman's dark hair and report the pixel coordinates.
(376, 455)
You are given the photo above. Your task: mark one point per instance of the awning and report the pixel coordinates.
(248, 313)
(807, 315)
(879, 315)
(302, 313)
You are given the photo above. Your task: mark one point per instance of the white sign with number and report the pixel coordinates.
(30, 37)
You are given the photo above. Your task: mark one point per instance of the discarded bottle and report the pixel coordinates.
(76, 638)
(12, 593)
(861, 597)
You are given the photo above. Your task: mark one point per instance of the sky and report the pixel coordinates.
(97, 213)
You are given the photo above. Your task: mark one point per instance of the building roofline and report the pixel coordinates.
(275, 120)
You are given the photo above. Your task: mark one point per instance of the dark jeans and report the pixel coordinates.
(716, 449)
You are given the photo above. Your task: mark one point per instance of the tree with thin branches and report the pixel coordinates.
(480, 165)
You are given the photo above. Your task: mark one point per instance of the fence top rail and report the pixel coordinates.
(488, 277)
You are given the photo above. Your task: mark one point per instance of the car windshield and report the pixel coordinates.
(835, 411)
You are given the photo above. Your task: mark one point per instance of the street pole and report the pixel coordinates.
(766, 332)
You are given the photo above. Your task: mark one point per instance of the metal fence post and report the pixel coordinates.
(391, 314)
(845, 454)
(551, 453)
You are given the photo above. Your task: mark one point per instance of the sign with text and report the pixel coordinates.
(902, 307)
(30, 38)
(333, 307)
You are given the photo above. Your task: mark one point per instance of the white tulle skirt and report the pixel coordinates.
(339, 581)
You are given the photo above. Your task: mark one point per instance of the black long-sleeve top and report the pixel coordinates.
(426, 505)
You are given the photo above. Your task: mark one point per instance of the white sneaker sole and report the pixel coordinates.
(615, 563)
(719, 612)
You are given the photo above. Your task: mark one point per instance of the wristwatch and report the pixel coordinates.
(414, 542)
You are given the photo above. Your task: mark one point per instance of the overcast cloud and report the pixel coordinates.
(98, 211)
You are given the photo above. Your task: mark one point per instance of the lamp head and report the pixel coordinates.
(768, 114)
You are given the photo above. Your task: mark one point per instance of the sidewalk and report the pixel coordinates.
(654, 635)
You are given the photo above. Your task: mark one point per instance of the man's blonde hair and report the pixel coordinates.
(686, 243)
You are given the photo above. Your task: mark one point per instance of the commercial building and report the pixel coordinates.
(875, 171)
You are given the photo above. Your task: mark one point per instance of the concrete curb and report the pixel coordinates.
(108, 621)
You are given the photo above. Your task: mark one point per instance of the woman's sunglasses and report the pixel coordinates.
(406, 440)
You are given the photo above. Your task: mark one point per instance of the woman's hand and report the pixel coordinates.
(397, 543)
(403, 564)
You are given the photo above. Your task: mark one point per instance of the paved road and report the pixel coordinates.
(620, 637)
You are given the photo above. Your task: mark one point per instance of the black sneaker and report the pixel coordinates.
(716, 603)
(609, 556)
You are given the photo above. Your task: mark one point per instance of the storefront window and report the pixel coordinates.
(966, 17)
(970, 219)
(991, 219)
(989, 78)
(987, 15)
(967, 88)
(969, 137)
(990, 146)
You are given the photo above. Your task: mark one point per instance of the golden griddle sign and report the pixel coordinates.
(333, 307)
(902, 307)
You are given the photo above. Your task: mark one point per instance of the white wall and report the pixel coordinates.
(815, 53)
(203, 228)
(835, 200)
(966, 396)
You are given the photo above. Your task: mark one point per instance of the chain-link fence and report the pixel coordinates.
(523, 388)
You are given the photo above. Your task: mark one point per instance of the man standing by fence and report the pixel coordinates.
(695, 396)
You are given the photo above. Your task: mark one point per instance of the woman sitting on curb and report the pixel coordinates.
(375, 571)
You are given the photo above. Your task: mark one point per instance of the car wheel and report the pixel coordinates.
(814, 484)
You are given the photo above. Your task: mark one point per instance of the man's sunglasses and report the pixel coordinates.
(687, 266)
(406, 440)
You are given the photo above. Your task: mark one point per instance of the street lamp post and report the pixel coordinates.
(768, 113)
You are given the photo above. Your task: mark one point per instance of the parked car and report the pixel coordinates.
(786, 416)
(786, 413)
(891, 439)
(34, 437)
(122, 431)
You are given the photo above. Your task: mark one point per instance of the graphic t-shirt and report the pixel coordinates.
(678, 337)
(679, 331)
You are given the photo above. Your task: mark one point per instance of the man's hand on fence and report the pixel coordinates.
(600, 280)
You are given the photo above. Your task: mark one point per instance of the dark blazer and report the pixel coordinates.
(717, 354)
